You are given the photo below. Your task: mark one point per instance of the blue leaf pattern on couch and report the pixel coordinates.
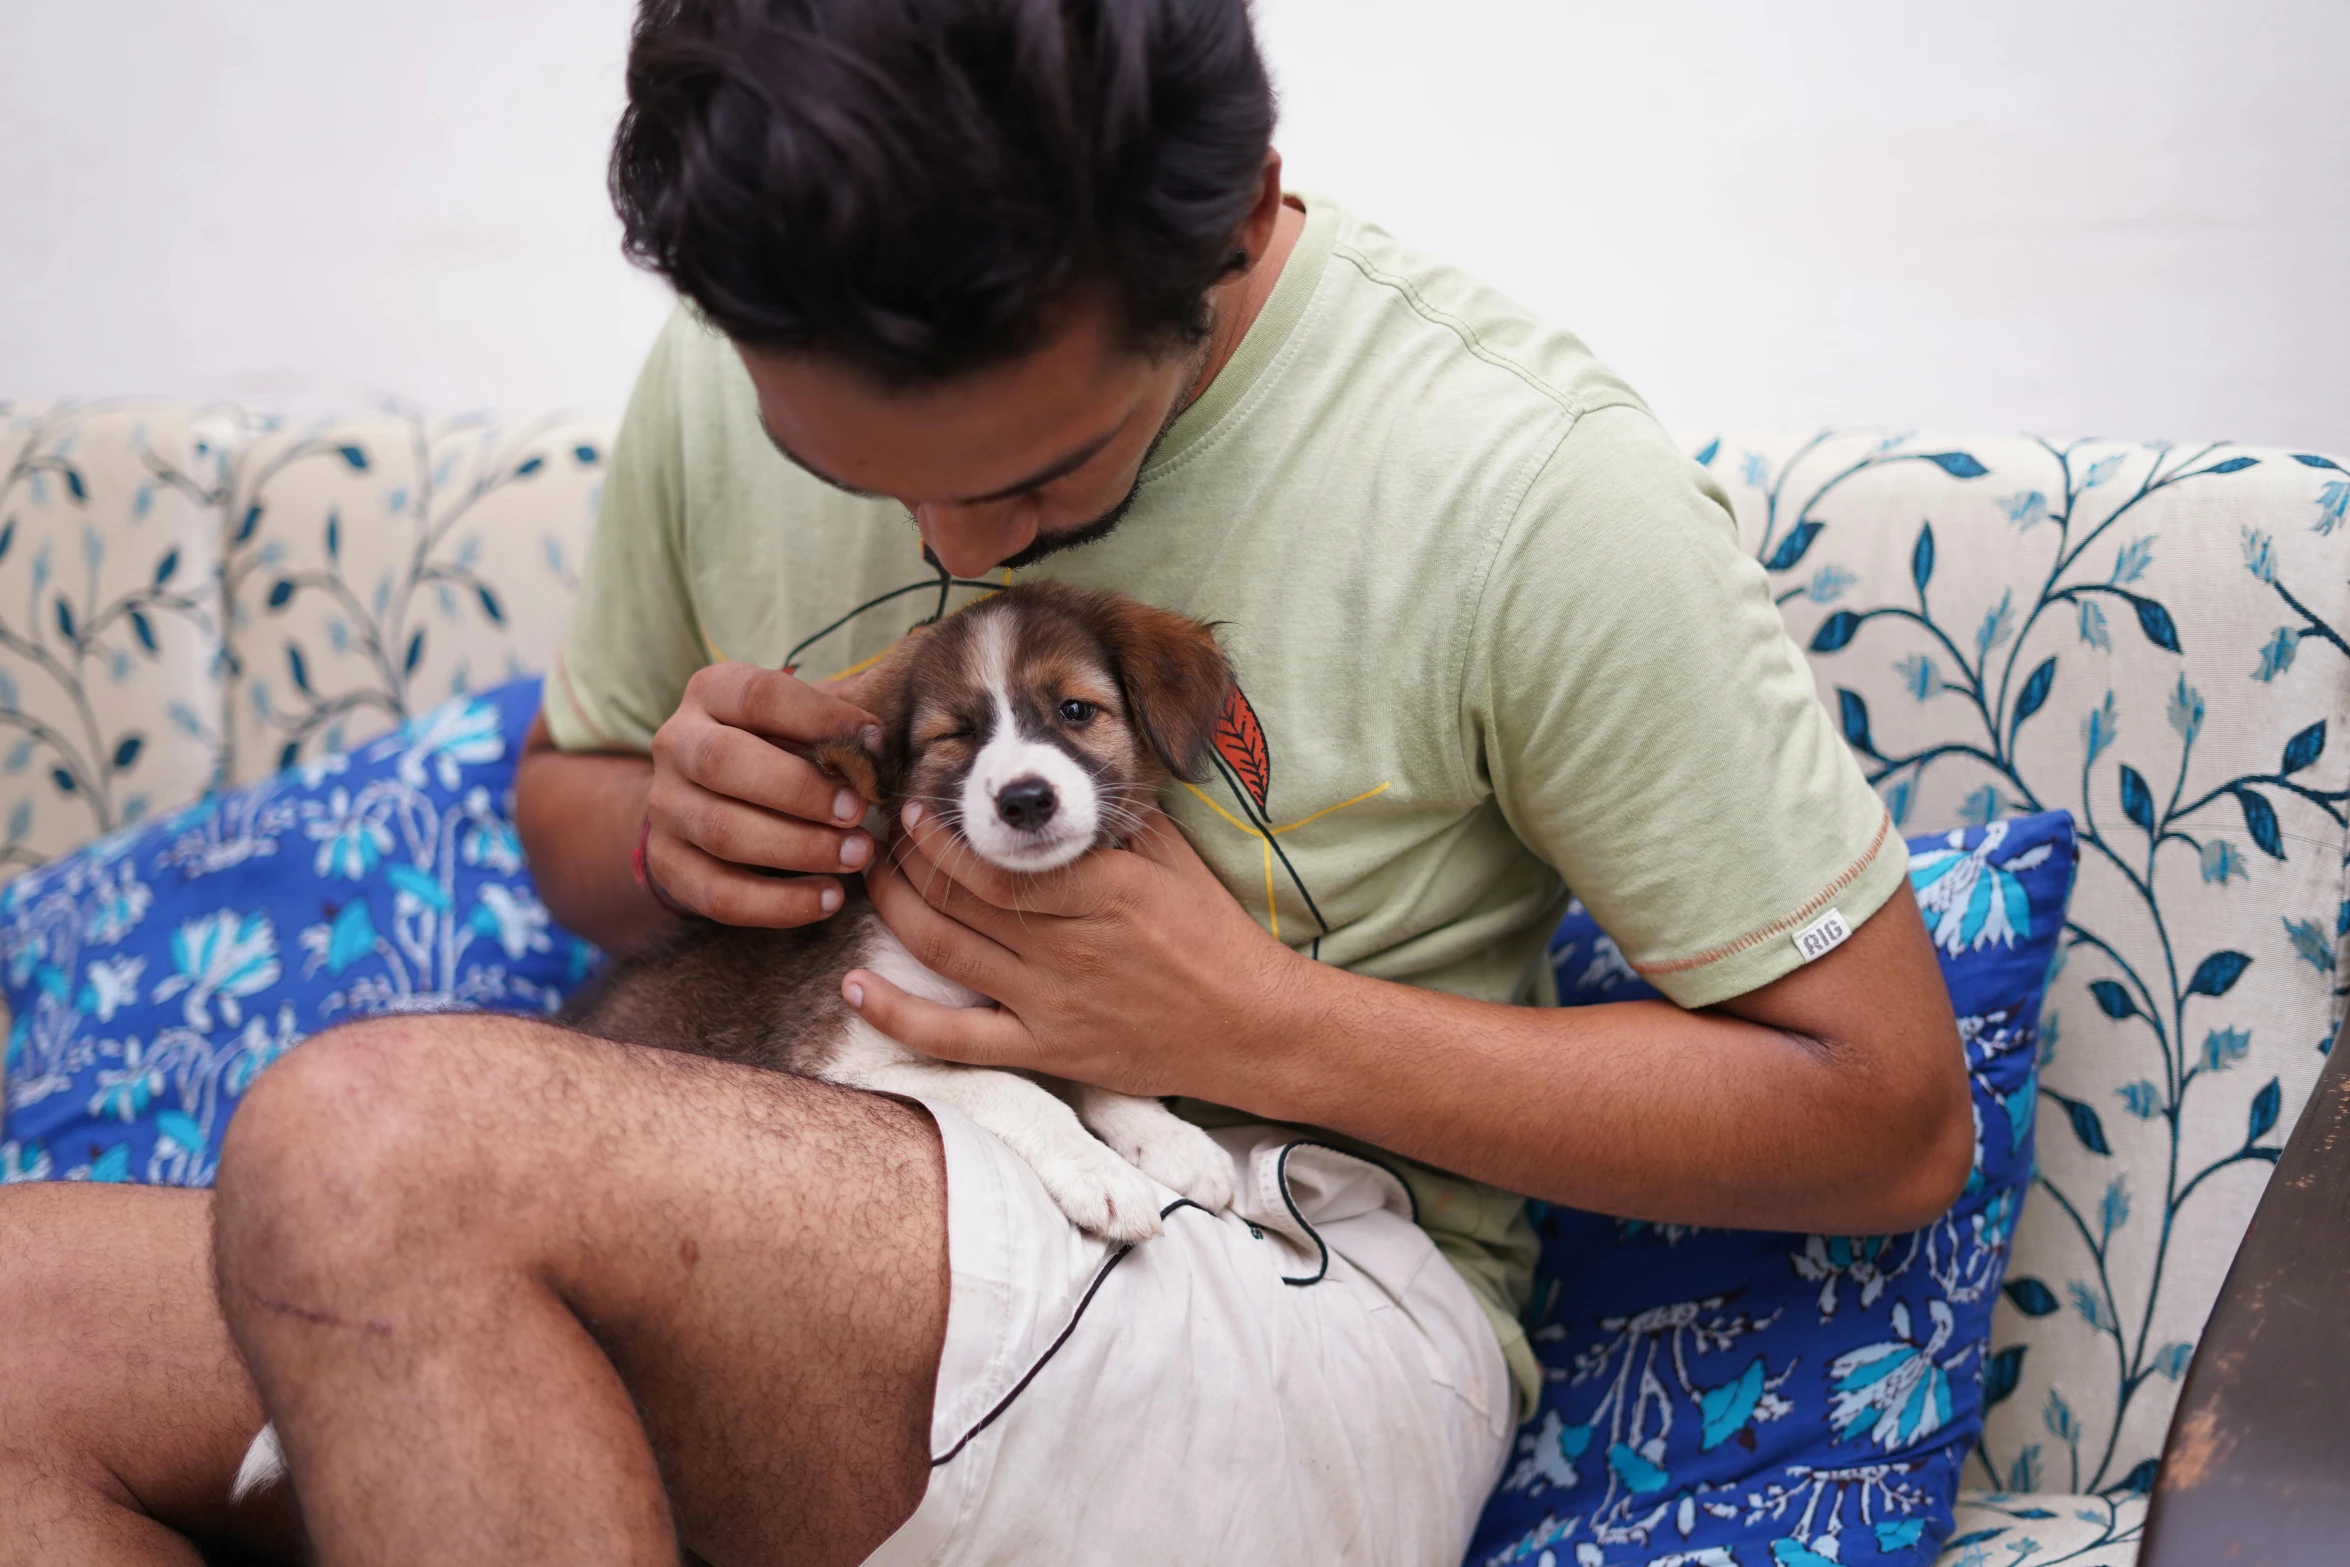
(2193, 583)
(110, 623)
(375, 563)
(154, 974)
(1779, 1397)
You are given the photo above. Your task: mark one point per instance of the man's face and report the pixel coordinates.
(999, 467)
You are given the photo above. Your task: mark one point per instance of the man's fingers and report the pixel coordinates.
(733, 896)
(978, 1036)
(741, 766)
(937, 885)
(940, 863)
(772, 703)
(1156, 838)
(939, 941)
(745, 834)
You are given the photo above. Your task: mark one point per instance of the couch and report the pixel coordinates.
(2151, 635)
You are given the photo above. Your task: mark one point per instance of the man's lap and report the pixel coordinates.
(1194, 1399)
(1304, 1379)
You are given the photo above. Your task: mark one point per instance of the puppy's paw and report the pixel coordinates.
(1103, 1195)
(1176, 1153)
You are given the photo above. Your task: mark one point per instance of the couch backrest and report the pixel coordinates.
(193, 596)
(2150, 636)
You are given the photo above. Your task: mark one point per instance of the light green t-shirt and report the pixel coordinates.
(1496, 632)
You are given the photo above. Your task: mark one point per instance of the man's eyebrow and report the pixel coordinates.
(1037, 480)
(807, 467)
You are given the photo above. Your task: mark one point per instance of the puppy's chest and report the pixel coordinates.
(860, 1046)
(884, 954)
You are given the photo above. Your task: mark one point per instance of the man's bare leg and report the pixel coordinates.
(498, 1282)
(123, 1406)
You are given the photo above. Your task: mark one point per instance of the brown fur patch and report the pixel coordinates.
(1174, 674)
(845, 758)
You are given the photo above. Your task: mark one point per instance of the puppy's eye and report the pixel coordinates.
(1075, 712)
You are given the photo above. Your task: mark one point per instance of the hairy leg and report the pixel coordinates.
(501, 1284)
(123, 1406)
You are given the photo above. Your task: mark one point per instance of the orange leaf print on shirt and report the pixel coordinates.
(1240, 740)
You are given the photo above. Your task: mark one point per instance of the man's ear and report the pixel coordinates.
(885, 691)
(1174, 676)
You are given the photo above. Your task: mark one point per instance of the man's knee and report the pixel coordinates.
(353, 1143)
(335, 1110)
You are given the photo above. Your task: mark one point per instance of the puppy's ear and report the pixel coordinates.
(845, 758)
(1174, 676)
(885, 691)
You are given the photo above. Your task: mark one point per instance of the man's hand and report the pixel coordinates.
(1130, 968)
(1832, 1100)
(727, 801)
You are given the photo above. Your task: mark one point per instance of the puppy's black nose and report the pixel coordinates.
(1026, 803)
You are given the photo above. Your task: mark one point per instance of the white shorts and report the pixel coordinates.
(1303, 1380)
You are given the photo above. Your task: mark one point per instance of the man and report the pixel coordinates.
(1026, 273)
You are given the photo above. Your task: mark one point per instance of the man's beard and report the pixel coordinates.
(1106, 524)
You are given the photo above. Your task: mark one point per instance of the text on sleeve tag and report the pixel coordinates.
(1822, 936)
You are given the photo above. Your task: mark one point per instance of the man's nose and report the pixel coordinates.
(972, 540)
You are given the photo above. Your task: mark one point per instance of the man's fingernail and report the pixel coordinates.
(913, 815)
(872, 738)
(830, 900)
(855, 850)
(846, 807)
(855, 994)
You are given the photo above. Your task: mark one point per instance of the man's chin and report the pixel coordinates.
(1073, 538)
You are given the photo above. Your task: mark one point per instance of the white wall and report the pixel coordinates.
(2119, 216)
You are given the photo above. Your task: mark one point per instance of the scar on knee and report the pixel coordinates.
(688, 1253)
(324, 1319)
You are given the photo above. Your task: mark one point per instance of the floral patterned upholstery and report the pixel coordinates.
(2151, 636)
(2055, 1529)
(378, 566)
(110, 631)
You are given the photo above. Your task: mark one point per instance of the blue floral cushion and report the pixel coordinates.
(150, 976)
(1723, 1398)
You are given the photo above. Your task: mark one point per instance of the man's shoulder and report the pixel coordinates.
(1406, 304)
(694, 371)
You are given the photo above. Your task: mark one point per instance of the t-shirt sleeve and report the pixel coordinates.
(634, 640)
(1651, 732)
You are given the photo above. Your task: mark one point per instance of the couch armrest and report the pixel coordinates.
(2256, 1469)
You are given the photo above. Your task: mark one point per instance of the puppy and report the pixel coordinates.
(1032, 724)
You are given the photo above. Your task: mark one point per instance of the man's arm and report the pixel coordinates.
(1833, 1099)
(579, 813)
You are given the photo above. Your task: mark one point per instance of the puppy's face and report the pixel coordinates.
(1036, 723)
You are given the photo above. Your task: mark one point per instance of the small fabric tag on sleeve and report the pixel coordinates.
(1823, 935)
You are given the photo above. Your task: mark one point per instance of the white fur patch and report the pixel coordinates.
(887, 956)
(264, 1466)
(1009, 757)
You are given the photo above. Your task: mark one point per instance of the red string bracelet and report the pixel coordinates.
(644, 874)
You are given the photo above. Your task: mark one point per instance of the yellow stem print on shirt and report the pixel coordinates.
(1266, 835)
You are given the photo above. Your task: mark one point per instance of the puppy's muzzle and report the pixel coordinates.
(1026, 803)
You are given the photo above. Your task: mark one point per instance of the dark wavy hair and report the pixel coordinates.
(922, 188)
